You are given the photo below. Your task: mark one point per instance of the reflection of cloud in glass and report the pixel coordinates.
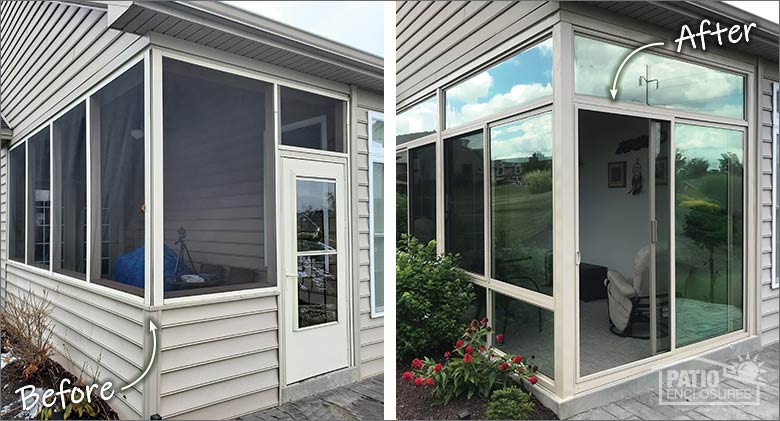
(521, 139)
(417, 121)
(708, 143)
(520, 79)
(680, 85)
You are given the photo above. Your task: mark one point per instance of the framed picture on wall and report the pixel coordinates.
(662, 171)
(616, 174)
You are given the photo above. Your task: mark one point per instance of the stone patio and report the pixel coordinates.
(645, 405)
(359, 401)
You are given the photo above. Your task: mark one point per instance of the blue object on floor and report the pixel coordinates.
(129, 267)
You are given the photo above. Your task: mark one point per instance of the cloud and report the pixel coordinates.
(519, 94)
(420, 118)
(520, 139)
(708, 143)
(472, 89)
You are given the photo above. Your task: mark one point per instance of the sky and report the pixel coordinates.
(358, 24)
(769, 10)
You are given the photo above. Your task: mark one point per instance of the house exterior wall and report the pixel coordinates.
(769, 304)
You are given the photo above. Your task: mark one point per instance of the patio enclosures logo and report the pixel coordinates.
(707, 382)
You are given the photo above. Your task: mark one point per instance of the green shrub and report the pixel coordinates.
(510, 403)
(538, 181)
(432, 293)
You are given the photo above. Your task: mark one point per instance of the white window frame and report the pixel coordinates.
(775, 178)
(376, 155)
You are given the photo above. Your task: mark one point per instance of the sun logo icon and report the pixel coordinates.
(747, 370)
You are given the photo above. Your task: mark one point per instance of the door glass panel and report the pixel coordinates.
(316, 259)
(660, 132)
(316, 209)
(708, 232)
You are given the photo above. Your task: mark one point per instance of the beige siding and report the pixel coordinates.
(219, 360)
(769, 306)
(45, 70)
(370, 330)
(436, 40)
(91, 330)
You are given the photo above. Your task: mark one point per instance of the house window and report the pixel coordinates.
(401, 194)
(416, 122)
(518, 80)
(422, 193)
(117, 149)
(522, 202)
(39, 198)
(652, 79)
(527, 330)
(218, 179)
(376, 177)
(16, 197)
(464, 214)
(312, 121)
(69, 135)
(709, 231)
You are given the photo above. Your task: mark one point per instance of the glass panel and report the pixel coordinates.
(422, 193)
(521, 204)
(709, 232)
(40, 196)
(656, 80)
(216, 183)
(527, 330)
(119, 112)
(316, 209)
(518, 80)
(16, 197)
(660, 132)
(464, 214)
(377, 134)
(312, 121)
(401, 194)
(70, 140)
(416, 122)
(378, 204)
(317, 290)
(478, 308)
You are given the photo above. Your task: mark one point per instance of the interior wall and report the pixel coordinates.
(613, 223)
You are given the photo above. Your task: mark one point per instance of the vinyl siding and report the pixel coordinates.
(219, 360)
(90, 330)
(769, 306)
(369, 330)
(51, 54)
(438, 41)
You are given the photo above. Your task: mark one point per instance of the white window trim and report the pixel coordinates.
(375, 155)
(775, 178)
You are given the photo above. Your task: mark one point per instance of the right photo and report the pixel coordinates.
(587, 210)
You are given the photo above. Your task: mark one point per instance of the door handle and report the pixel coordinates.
(653, 231)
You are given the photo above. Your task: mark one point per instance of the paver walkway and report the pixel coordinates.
(359, 401)
(645, 406)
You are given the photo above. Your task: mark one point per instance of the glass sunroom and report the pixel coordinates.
(606, 238)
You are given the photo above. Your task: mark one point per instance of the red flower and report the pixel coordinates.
(446, 355)
(418, 381)
(408, 376)
(459, 343)
(469, 349)
(467, 358)
(520, 369)
(503, 366)
(482, 348)
(533, 379)
(474, 323)
(417, 363)
(500, 338)
(517, 358)
(484, 321)
(437, 368)
(430, 381)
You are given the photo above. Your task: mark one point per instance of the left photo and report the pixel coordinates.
(191, 198)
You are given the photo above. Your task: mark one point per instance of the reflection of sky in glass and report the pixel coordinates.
(416, 122)
(521, 139)
(680, 85)
(523, 78)
(708, 143)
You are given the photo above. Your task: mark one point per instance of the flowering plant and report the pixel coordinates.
(472, 367)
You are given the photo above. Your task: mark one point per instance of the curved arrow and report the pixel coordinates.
(153, 329)
(613, 91)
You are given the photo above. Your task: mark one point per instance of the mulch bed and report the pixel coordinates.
(47, 377)
(413, 403)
